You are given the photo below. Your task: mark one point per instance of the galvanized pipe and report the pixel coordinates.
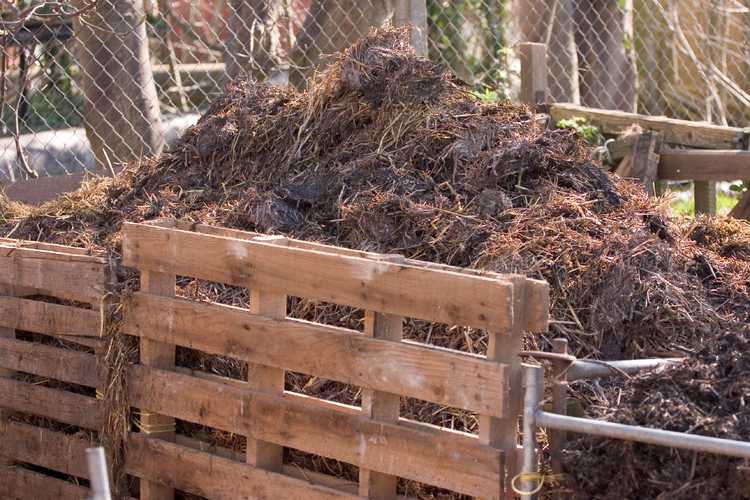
(641, 434)
(97, 465)
(582, 369)
(533, 379)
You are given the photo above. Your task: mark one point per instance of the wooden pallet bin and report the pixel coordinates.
(55, 292)
(374, 437)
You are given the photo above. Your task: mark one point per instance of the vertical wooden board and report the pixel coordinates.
(5, 333)
(504, 346)
(381, 406)
(268, 379)
(704, 193)
(157, 355)
(533, 58)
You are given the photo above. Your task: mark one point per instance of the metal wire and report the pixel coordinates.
(680, 58)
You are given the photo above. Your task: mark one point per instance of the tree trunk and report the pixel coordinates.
(121, 111)
(607, 73)
(330, 26)
(551, 23)
(254, 43)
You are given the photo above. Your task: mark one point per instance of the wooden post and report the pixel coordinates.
(533, 58)
(157, 355)
(502, 433)
(380, 406)
(263, 454)
(6, 290)
(413, 13)
(559, 401)
(704, 193)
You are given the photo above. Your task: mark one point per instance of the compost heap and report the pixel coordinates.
(386, 152)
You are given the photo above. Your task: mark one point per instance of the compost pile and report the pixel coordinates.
(386, 152)
(708, 394)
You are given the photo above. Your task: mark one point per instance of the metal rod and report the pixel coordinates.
(641, 434)
(533, 378)
(581, 369)
(97, 464)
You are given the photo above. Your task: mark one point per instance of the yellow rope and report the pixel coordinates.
(533, 476)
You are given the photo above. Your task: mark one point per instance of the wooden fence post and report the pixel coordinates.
(262, 454)
(704, 193)
(533, 58)
(414, 13)
(503, 347)
(6, 290)
(157, 355)
(381, 406)
(559, 401)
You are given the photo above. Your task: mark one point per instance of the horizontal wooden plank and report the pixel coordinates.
(46, 448)
(433, 458)
(404, 368)
(67, 276)
(214, 477)
(62, 406)
(17, 483)
(49, 319)
(688, 133)
(53, 247)
(51, 362)
(382, 286)
(704, 165)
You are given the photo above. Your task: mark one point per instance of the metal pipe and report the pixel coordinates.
(582, 369)
(642, 434)
(533, 378)
(97, 465)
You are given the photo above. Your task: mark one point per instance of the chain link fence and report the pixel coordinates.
(129, 66)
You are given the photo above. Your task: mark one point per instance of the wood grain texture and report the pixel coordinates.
(704, 165)
(410, 369)
(51, 362)
(433, 458)
(214, 477)
(684, 132)
(62, 406)
(47, 448)
(394, 288)
(49, 319)
(17, 483)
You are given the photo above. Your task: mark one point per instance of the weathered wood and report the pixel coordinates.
(49, 319)
(557, 438)
(501, 433)
(438, 459)
(265, 378)
(533, 58)
(5, 334)
(644, 163)
(50, 362)
(704, 165)
(63, 275)
(704, 194)
(159, 355)
(400, 289)
(214, 477)
(47, 448)
(380, 406)
(63, 406)
(416, 370)
(17, 483)
(684, 132)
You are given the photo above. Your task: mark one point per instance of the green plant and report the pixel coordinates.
(589, 133)
(487, 95)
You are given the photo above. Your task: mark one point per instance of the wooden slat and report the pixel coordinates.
(688, 133)
(393, 449)
(214, 477)
(67, 276)
(17, 483)
(159, 355)
(380, 406)
(409, 369)
(704, 165)
(53, 247)
(47, 448)
(533, 57)
(50, 362)
(62, 406)
(5, 334)
(49, 319)
(401, 289)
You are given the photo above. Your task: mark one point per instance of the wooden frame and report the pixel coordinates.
(389, 288)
